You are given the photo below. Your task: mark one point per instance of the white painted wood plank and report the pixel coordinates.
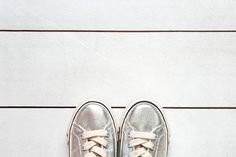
(175, 69)
(41, 132)
(202, 133)
(34, 132)
(114, 14)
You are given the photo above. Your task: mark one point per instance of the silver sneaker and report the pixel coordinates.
(92, 132)
(144, 132)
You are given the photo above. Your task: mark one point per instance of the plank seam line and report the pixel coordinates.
(114, 107)
(114, 31)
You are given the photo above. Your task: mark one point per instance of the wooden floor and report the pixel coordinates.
(55, 55)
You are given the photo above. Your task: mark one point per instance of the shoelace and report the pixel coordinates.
(95, 143)
(141, 143)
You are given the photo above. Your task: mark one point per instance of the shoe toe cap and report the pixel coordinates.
(145, 116)
(93, 116)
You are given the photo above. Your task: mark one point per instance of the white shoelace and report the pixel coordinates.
(95, 143)
(141, 144)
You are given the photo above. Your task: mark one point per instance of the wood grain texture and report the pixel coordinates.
(121, 15)
(177, 69)
(42, 132)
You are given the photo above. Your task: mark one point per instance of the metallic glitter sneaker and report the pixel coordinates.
(144, 132)
(92, 132)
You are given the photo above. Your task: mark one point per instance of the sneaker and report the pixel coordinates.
(144, 132)
(92, 132)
